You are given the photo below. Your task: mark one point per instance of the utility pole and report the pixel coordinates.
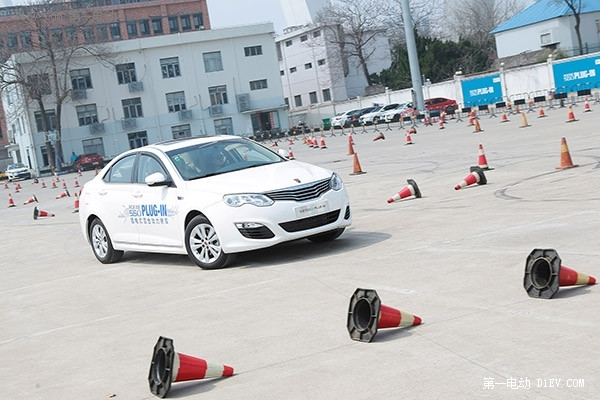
(413, 57)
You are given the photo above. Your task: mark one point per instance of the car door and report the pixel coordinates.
(157, 211)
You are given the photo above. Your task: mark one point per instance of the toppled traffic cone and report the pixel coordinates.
(565, 156)
(11, 202)
(76, 203)
(412, 130)
(476, 176)
(408, 138)
(524, 123)
(544, 274)
(410, 190)
(504, 117)
(64, 193)
(541, 113)
(167, 367)
(379, 137)
(477, 126)
(366, 315)
(32, 199)
(586, 106)
(357, 170)
(482, 160)
(571, 115)
(41, 214)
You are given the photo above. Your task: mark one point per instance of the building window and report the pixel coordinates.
(198, 22)
(57, 36)
(292, 70)
(223, 126)
(126, 73)
(93, 146)
(132, 108)
(137, 139)
(157, 26)
(87, 114)
(11, 42)
(321, 62)
(102, 33)
(316, 34)
(282, 72)
(170, 67)
(326, 95)
(308, 66)
(313, 97)
(145, 27)
(81, 79)
(298, 100)
(26, 42)
(253, 51)
(50, 120)
(186, 25)
(115, 31)
(176, 101)
(173, 24)
(288, 43)
(303, 38)
(132, 31)
(70, 34)
(181, 131)
(218, 95)
(88, 34)
(212, 61)
(287, 102)
(257, 85)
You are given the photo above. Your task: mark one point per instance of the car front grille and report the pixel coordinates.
(302, 192)
(310, 222)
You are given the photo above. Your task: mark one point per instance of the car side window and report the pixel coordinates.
(148, 165)
(121, 171)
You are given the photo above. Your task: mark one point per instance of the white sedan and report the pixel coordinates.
(209, 198)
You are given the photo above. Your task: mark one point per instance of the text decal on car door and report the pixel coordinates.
(147, 213)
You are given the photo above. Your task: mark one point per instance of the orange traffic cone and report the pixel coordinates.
(96, 171)
(366, 315)
(565, 156)
(586, 106)
(65, 193)
(541, 113)
(524, 123)
(571, 116)
(476, 176)
(410, 190)
(6, 185)
(64, 185)
(380, 136)
(350, 146)
(11, 202)
(76, 203)
(323, 145)
(17, 187)
(544, 274)
(504, 117)
(76, 184)
(32, 199)
(477, 126)
(290, 154)
(482, 161)
(441, 124)
(54, 184)
(40, 214)
(471, 118)
(357, 170)
(408, 138)
(167, 367)
(43, 184)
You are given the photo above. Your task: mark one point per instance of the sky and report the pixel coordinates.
(242, 12)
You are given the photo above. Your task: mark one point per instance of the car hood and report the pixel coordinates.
(262, 179)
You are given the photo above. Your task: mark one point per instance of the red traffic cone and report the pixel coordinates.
(441, 124)
(565, 156)
(586, 106)
(477, 126)
(43, 184)
(323, 145)
(366, 315)
(76, 203)
(32, 199)
(11, 202)
(504, 117)
(40, 214)
(541, 113)
(412, 130)
(6, 185)
(476, 176)
(410, 190)
(482, 161)
(17, 187)
(290, 154)
(76, 184)
(34, 181)
(54, 184)
(64, 185)
(65, 193)
(408, 138)
(471, 118)
(571, 115)
(379, 137)
(357, 169)
(544, 274)
(168, 366)
(79, 172)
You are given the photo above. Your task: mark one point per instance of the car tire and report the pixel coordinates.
(102, 245)
(203, 245)
(450, 110)
(326, 236)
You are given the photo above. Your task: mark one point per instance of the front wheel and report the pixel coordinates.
(102, 245)
(203, 245)
(326, 236)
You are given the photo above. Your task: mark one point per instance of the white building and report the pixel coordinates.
(547, 24)
(164, 87)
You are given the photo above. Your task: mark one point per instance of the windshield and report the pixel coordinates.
(214, 158)
(15, 166)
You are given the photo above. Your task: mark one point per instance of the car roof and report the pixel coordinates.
(171, 144)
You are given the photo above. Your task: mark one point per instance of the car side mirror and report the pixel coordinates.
(157, 179)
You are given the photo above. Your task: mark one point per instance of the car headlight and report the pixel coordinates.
(238, 200)
(336, 182)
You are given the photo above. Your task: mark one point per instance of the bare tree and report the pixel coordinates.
(354, 26)
(42, 66)
(575, 7)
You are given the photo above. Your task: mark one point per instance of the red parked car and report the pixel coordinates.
(88, 161)
(436, 105)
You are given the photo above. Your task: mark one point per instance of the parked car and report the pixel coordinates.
(436, 105)
(88, 161)
(17, 171)
(209, 198)
(395, 114)
(344, 119)
(3, 176)
(376, 114)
